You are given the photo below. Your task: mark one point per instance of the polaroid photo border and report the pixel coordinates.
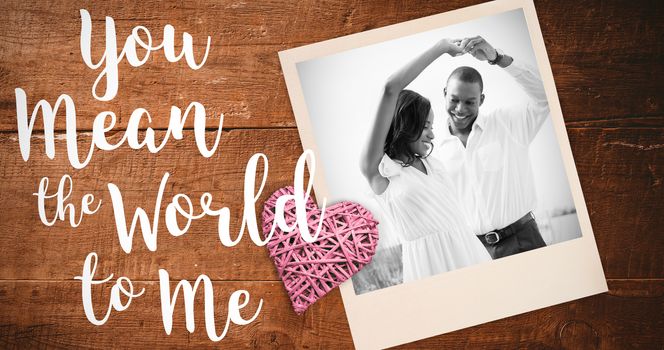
(477, 294)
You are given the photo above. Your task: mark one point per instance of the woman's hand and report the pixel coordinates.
(451, 47)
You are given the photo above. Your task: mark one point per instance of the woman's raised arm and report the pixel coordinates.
(373, 151)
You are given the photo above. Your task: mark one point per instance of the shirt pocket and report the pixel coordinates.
(491, 157)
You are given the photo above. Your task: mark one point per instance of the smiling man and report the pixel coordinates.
(487, 153)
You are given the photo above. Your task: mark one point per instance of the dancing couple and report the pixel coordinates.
(466, 197)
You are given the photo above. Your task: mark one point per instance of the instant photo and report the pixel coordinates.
(448, 128)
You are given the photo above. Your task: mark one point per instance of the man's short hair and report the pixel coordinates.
(468, 75)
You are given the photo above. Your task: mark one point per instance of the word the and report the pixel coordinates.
(62, 207)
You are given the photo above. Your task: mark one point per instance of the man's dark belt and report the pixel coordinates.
(496, 236)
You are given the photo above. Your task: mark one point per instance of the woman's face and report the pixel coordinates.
(423, 145)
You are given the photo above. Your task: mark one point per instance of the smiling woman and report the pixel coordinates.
(411, 131)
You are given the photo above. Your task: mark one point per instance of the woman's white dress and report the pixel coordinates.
(429, 220)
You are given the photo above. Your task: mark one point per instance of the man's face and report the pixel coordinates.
(462, 102)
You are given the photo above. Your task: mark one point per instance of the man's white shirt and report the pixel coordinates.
(493, 172)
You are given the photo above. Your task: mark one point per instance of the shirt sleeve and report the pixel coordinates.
(525, 121)
(389, 168)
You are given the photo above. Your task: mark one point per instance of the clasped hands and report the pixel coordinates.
(476, 46)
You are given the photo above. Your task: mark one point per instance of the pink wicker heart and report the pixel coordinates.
(346, 243)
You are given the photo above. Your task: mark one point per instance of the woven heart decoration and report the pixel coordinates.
(346, 243)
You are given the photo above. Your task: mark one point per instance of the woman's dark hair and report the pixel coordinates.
(410, 117)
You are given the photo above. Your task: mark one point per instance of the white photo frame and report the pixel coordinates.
(466, 297)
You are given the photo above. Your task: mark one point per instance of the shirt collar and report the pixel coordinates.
(480, 123)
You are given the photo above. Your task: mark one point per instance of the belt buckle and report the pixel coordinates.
(488, 235)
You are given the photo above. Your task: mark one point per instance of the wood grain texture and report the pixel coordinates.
(606, 59)
(138, 174)
(53, 316)
(597, 55)
(630, 247)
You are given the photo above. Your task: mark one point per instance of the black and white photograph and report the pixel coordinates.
(448, 129)
(446, 135)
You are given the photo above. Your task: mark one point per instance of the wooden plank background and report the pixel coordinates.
(607, 63)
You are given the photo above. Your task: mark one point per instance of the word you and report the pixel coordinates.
(110, 59)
